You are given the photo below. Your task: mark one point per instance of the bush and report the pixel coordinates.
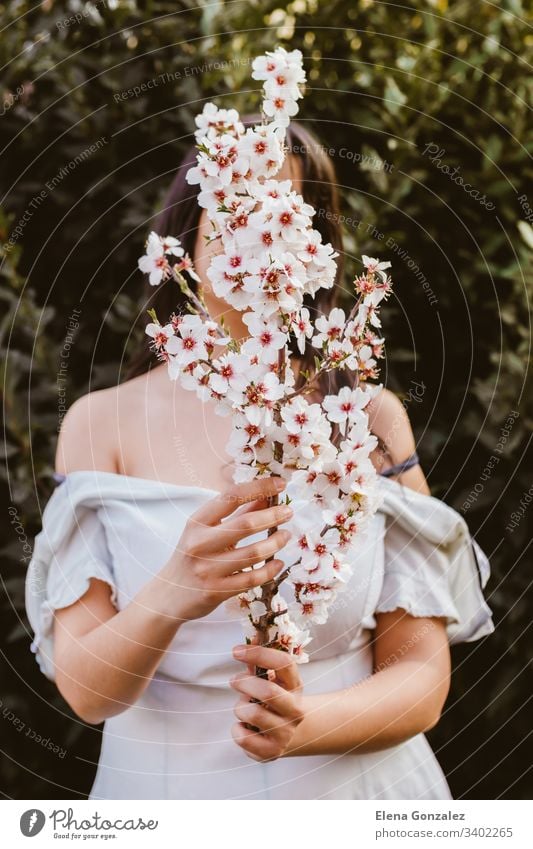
(97, 111)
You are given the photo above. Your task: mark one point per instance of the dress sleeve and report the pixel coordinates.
(70, 550)
(432, 566)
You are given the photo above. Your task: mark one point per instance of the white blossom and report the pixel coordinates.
(270, 260)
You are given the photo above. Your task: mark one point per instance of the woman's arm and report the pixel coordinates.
(403, 697)
(104, 660)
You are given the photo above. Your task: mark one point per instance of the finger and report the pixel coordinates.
(283, 665)
(268, 722)
(254, 578)
(249, 507)
(259, 747)
(249, 555)
(231, 499)
(228, 534)
(268, 693)
(215, 565)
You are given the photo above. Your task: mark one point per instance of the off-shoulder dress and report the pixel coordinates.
(175, 742)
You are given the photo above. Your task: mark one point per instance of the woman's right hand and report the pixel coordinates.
(207, 568)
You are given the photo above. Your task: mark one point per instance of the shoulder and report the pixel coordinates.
(89, 436)
(84, 442)
(389, 421)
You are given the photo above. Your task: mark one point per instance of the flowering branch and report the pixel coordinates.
(270, 259)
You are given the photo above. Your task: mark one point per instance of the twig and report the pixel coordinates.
(271, 587)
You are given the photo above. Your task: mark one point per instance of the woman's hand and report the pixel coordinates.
(277, 706)
(207, 567)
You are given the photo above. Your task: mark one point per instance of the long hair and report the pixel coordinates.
(180, 217)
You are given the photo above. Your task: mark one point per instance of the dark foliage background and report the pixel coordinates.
(385, 82)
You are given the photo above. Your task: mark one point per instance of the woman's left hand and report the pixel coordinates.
(279, 708)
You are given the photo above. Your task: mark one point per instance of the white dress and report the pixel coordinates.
(175, 742)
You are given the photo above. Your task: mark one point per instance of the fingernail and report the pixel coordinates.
(239, 652)
(286, 512)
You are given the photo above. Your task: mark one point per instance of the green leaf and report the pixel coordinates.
(393, 97)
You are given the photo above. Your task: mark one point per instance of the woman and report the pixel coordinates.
(143, 547)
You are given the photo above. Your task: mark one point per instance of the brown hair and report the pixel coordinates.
(180, 217)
